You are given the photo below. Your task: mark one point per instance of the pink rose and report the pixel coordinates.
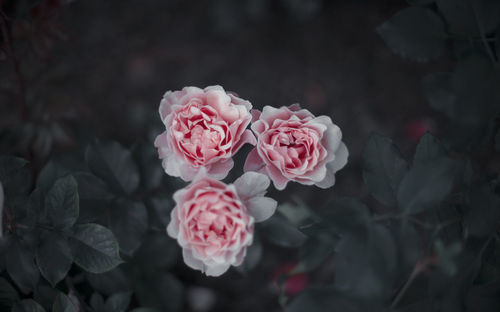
(214, 222)
(294, 145)
(204, 128)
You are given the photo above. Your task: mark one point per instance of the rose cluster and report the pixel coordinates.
(212, 221)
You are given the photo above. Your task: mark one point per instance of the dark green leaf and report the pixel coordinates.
(447, 255)
(425, 186)
(324, 299)
(160, 208)
(145, 310)
(416, 33)
(62, 203)
(497, 141)
(482, 216)
(129, 221)
(27, 305)
(8, 295)
(20, 263)
(118, 302)
(45, 295)
(252, 258)
(63, 303)
(149, 166)
(163, 292)
(49, 174)
(94, 248)
(463, 16)
(158, 251)
(314, 252)
(420, 2)
(366, 267)
(429, 149)
(279, 231)
(113, 164)
(91, 187)
(438, 88)
(54, 257)
(111, 282)
(384, 167)
(15, 176)
(97, 302)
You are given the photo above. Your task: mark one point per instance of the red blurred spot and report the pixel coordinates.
(416, 128)
(294, 283)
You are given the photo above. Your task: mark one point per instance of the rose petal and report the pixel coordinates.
(254, 162)
(261, 208)
(251, 184)
(332, 167)
(247, 137)
(216, 270)
(191, 261)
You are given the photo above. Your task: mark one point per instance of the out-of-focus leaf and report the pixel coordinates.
(118, 302)
(416, 33)
(20, 264)
(463, 16)
(159, 211)
(482, 216)
(314, 252)
(110, 282)
(279, 231)
(346, 215)
(429, 149)
(63, 303)
(420, 2)
(27, 305)
(129, 221)
(45, 295)
(8, 295)
(49, 174)
(425, 186)
(61, 203)
(54, 257)
(324, 299)
(149, 165)
(383, 168)
(160, 291)
(252, 258)
(94, 248)
(113, 164)
(15, 176)
(158, 251)
(97, 302)
(365, 268)
(497, 140)
(447, 255)
(95, 197)
(438, 89)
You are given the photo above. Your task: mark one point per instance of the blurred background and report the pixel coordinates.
(71, 71)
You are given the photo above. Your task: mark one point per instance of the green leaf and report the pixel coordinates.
(497, 141)
(94, 248)
(97, 302)
(314, 252)
(475, 84)
(159, 209)
(383, 168)
(27, 305)
(63, 303)
(8, 295)
(163, 292)
(279, 231)
(438, 89)
(157, 252)
(129, 221)
(447, 255)
(462, 19)
(113, 164)
(252, 258)
(429, 149)
(15, 176)
(482, 216)
(111, 282)
(118, 302)
(62, 203)
(346, 215)
(149, 166)
(91, 187)
(425, 186)
(366, 267)
(20, 264)
(54, 257)
(416, 33)
(49, 174)
(324, 299)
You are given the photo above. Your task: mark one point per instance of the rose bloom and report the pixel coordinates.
(294, 145)
(214, 222)
(204, 128)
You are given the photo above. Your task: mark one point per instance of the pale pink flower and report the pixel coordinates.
(214, 222)
(294, 145)
(204, 128)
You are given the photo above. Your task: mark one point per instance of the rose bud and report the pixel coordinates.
(294, 145)
(204, 128)
(214, 222)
